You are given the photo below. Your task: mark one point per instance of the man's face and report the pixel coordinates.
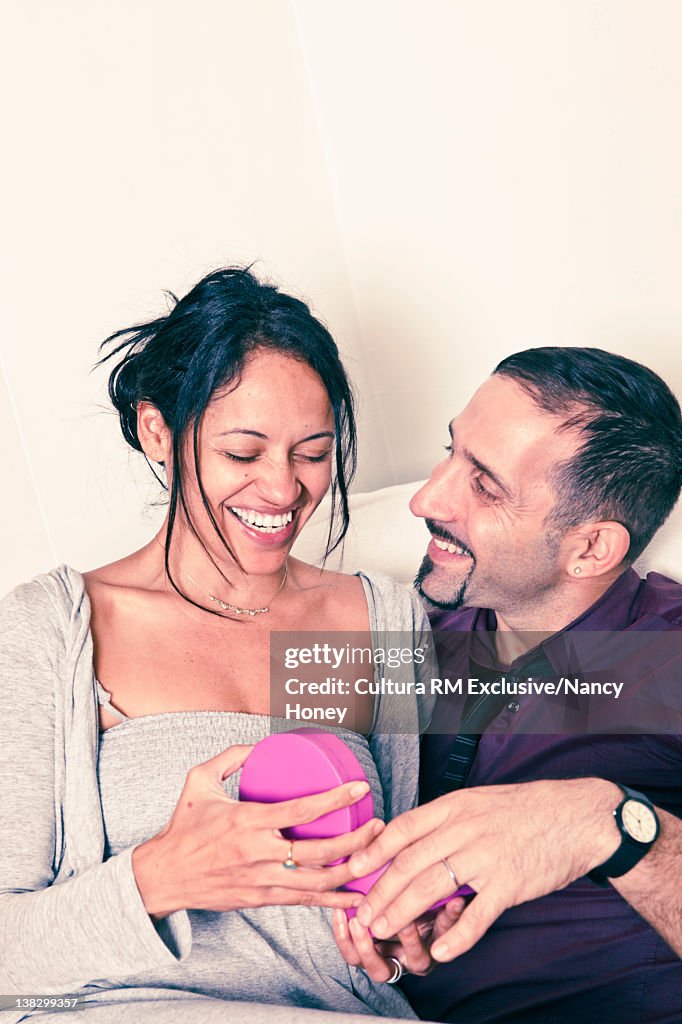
(486, 505)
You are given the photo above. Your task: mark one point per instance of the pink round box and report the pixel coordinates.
(304, 762)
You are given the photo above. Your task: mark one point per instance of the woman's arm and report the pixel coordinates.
(57, 932)
(395, 748)
(400, 621)
(54, 938)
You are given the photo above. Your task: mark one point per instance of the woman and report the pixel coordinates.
(166, 885)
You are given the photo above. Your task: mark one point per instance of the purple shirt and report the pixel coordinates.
(581, 954)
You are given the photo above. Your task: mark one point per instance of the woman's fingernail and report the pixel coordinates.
(364, 915)
(380, 925)
(378, 827)
(439, 951)
(359, 789)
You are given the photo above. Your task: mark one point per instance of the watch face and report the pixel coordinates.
(639, 821)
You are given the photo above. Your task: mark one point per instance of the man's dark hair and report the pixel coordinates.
(628, 468)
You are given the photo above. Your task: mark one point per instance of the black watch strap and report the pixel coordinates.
(631, 850)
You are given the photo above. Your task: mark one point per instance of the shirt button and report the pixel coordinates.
(513, 705)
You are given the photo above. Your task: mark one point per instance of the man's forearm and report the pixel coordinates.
(653, 887)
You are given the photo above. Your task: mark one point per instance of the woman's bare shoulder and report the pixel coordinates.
(136, 571)
(331, 599)
(124, 586)
(312, 577)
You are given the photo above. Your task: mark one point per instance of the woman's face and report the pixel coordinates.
(265, 458)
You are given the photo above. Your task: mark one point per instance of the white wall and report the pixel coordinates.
(507, 175)
(149, 143)
(446, 181)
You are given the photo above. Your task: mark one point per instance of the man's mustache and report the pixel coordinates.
(436, 530)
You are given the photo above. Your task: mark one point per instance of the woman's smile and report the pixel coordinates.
(266, 527)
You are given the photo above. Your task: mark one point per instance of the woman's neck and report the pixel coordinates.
(210, 577)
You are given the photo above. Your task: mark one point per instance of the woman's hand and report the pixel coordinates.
(410, 946)
(219, 854)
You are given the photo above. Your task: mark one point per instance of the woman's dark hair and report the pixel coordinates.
(628, 465)
(178, 361)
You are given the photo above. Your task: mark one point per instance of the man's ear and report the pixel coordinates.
(154, 435)
(595, 549)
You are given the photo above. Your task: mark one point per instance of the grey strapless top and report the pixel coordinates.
(271, 954)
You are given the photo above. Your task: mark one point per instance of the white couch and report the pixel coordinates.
(383, 536)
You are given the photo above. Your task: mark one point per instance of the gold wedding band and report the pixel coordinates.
(398, 970)
(452, 874)
(290, 862)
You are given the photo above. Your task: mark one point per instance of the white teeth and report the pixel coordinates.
(443, 545)
(264, 522)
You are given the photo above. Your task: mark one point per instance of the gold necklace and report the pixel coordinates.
(234, 608)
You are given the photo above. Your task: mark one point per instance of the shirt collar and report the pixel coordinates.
(608, 613)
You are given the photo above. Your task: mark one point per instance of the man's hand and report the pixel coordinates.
(410, 946)
(511, 843)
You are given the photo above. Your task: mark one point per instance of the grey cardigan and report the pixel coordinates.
(67, 916)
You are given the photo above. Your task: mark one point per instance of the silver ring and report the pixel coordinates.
(399, 970)
(452, 874)
(290, 862)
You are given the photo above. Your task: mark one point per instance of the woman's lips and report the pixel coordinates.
(268, 539)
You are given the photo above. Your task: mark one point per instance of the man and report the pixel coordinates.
(559, 472)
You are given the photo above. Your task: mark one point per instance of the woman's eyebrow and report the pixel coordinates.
(242, 430)
(264, 437)
(315, 437)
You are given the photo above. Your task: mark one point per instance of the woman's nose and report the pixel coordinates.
(278, 483)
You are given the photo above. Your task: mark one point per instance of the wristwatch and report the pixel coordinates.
(639, 827)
